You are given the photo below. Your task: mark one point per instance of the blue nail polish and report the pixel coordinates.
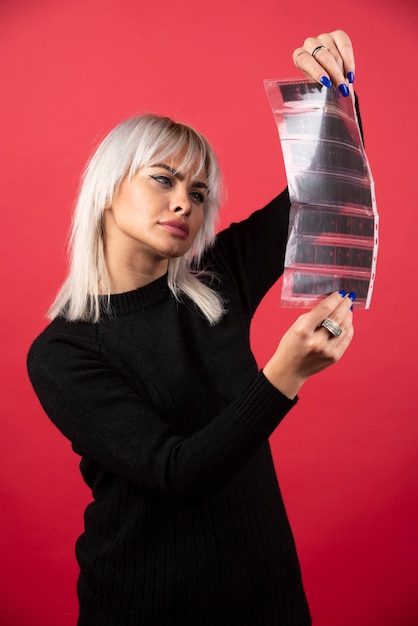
(350, 77)
(352, 296)
(325, 81)
(342, 293)
(344, 90)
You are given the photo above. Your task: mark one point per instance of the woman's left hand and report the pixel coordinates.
(328, 59)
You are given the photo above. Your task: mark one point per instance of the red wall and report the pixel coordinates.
(71, 69)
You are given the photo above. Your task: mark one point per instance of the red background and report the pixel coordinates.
(70, 70)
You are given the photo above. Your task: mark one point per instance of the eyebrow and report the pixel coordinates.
(180, 176)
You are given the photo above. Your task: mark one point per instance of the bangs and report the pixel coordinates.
(162, 142)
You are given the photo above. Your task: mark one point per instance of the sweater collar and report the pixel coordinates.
(139, 299)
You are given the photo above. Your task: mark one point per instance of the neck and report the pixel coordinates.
(123, 275)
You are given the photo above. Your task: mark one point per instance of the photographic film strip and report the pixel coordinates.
(333, 226)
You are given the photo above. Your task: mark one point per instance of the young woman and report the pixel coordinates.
(146, 367)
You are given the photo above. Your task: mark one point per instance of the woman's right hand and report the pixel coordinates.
(308, 348)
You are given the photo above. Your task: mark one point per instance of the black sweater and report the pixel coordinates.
(171, 418)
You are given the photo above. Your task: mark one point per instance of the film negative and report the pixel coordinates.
(314, 222)
(316, 188)
(316, 124)
(336, 159)
(333, 226)
(307, 285)
(334, 255)
(300, 91)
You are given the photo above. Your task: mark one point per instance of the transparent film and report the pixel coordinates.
(333, 230)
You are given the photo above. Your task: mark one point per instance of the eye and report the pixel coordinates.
(198, 197)
(164, 180)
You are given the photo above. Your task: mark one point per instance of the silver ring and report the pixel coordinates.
(332, 327)
(317, 49)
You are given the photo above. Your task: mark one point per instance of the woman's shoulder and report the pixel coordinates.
(60, 326)
(59, 333)
(62, 351)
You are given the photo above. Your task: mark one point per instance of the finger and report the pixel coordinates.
(346, 52)
(334, 306)
(328, 59)
(336, 346)
(323, 68)
(340, 47)
(325, 64)
(340, 320)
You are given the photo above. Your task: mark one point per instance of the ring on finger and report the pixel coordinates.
(317, 49)
(332, 327)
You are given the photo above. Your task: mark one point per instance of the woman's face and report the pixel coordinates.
(155, 215)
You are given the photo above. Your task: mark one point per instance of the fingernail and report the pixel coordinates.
(350, 77)
(352, 297)
(325, 81)
(344, 90)
(342, 293)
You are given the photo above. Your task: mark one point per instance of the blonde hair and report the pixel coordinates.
(128, 147)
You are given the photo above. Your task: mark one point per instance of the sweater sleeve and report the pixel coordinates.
(108, 422)
(252, 252)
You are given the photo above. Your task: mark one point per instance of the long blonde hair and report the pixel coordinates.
(128, 147)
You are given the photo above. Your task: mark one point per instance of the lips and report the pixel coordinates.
(177, 228)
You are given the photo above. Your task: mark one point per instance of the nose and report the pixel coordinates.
(181, 202)
(182, 210)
